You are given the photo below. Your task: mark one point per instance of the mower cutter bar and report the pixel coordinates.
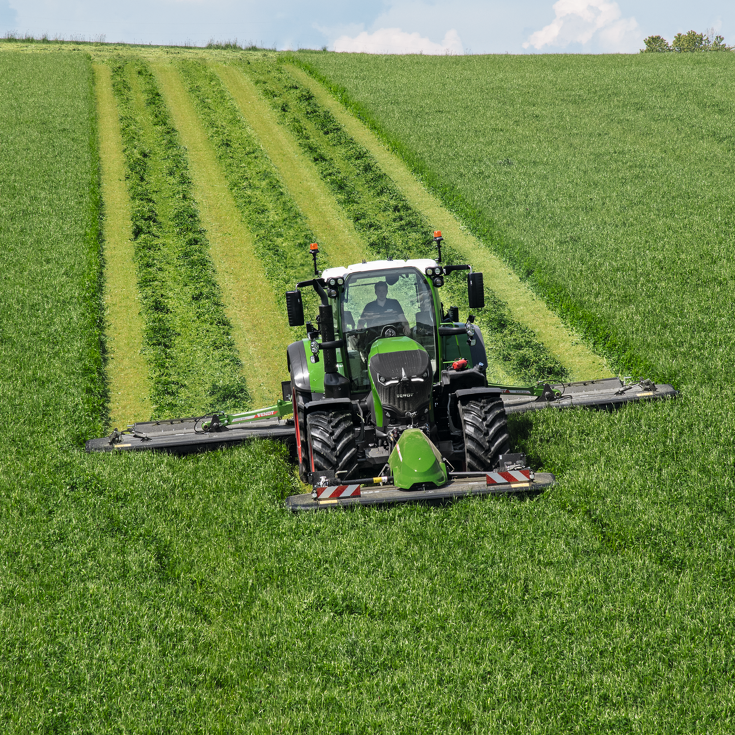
(183, 436)
(606, 393)
(389, 494)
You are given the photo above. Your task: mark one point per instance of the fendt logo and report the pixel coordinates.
(405, 395)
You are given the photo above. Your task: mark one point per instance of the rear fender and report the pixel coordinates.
(298, 365)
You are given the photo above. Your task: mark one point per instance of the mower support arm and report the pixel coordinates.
(218, 420)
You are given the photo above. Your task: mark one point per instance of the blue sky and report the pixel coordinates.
(398, 26)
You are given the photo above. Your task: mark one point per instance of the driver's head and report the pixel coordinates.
(381, 289)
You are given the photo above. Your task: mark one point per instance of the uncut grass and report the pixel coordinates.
(389, 224)
(186, 601)
(188, 343)
(49, 212)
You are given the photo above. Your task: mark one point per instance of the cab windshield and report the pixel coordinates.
(385, 303)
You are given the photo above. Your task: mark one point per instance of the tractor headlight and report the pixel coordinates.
(438, 281)
(341, 281)
(332, 293)
(437, 271)
(429, 271)
(332, 282)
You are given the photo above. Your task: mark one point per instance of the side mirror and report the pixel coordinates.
(294, 308)
(475, 291)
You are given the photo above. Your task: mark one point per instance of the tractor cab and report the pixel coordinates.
(385, 304)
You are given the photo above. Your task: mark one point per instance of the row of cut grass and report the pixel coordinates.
(193, 362)
(255, 311)
(280, 231)
(338, 241)
(389, 224)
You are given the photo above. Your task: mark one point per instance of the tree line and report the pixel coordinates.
(686, 42)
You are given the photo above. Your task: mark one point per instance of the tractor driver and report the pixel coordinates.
(383, 311)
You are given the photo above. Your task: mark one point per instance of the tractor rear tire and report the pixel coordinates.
(486, 437)
(332, 444)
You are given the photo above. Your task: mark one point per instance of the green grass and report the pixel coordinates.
(161, 594)
(194, 365)
(51, 327)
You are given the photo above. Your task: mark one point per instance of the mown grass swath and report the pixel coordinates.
(390, 225)
(194, 365)
(280, 230)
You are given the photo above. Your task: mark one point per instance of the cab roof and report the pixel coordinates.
(376, 265)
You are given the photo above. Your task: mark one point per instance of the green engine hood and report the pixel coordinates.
(405, 346)
(416, 461)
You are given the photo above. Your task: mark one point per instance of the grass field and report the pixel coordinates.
(160, 594)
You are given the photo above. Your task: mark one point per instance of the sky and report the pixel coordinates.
(376, 26)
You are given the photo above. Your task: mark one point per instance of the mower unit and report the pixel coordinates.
(389, 396)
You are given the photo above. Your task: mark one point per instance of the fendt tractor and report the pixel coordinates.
(388, 399)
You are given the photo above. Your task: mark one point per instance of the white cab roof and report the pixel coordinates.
(376, 265)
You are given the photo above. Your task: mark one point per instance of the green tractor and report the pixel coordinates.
(388, 395)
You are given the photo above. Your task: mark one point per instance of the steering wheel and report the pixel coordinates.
(390, 330)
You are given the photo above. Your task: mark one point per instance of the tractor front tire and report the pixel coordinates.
(486, 437)
(332, 444)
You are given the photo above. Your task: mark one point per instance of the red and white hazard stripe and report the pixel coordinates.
(334, 492)
(503, 478)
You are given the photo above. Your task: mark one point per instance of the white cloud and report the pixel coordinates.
(396, 41)
(579, 21)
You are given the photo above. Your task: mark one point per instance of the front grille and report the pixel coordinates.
(403, 383)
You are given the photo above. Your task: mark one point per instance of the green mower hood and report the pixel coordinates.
(416, 461)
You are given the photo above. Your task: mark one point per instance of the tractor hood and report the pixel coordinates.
(401, 382)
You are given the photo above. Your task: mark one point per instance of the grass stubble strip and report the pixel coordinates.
(260, 332)
(126, 366)
(194, 365)
(388, 222)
